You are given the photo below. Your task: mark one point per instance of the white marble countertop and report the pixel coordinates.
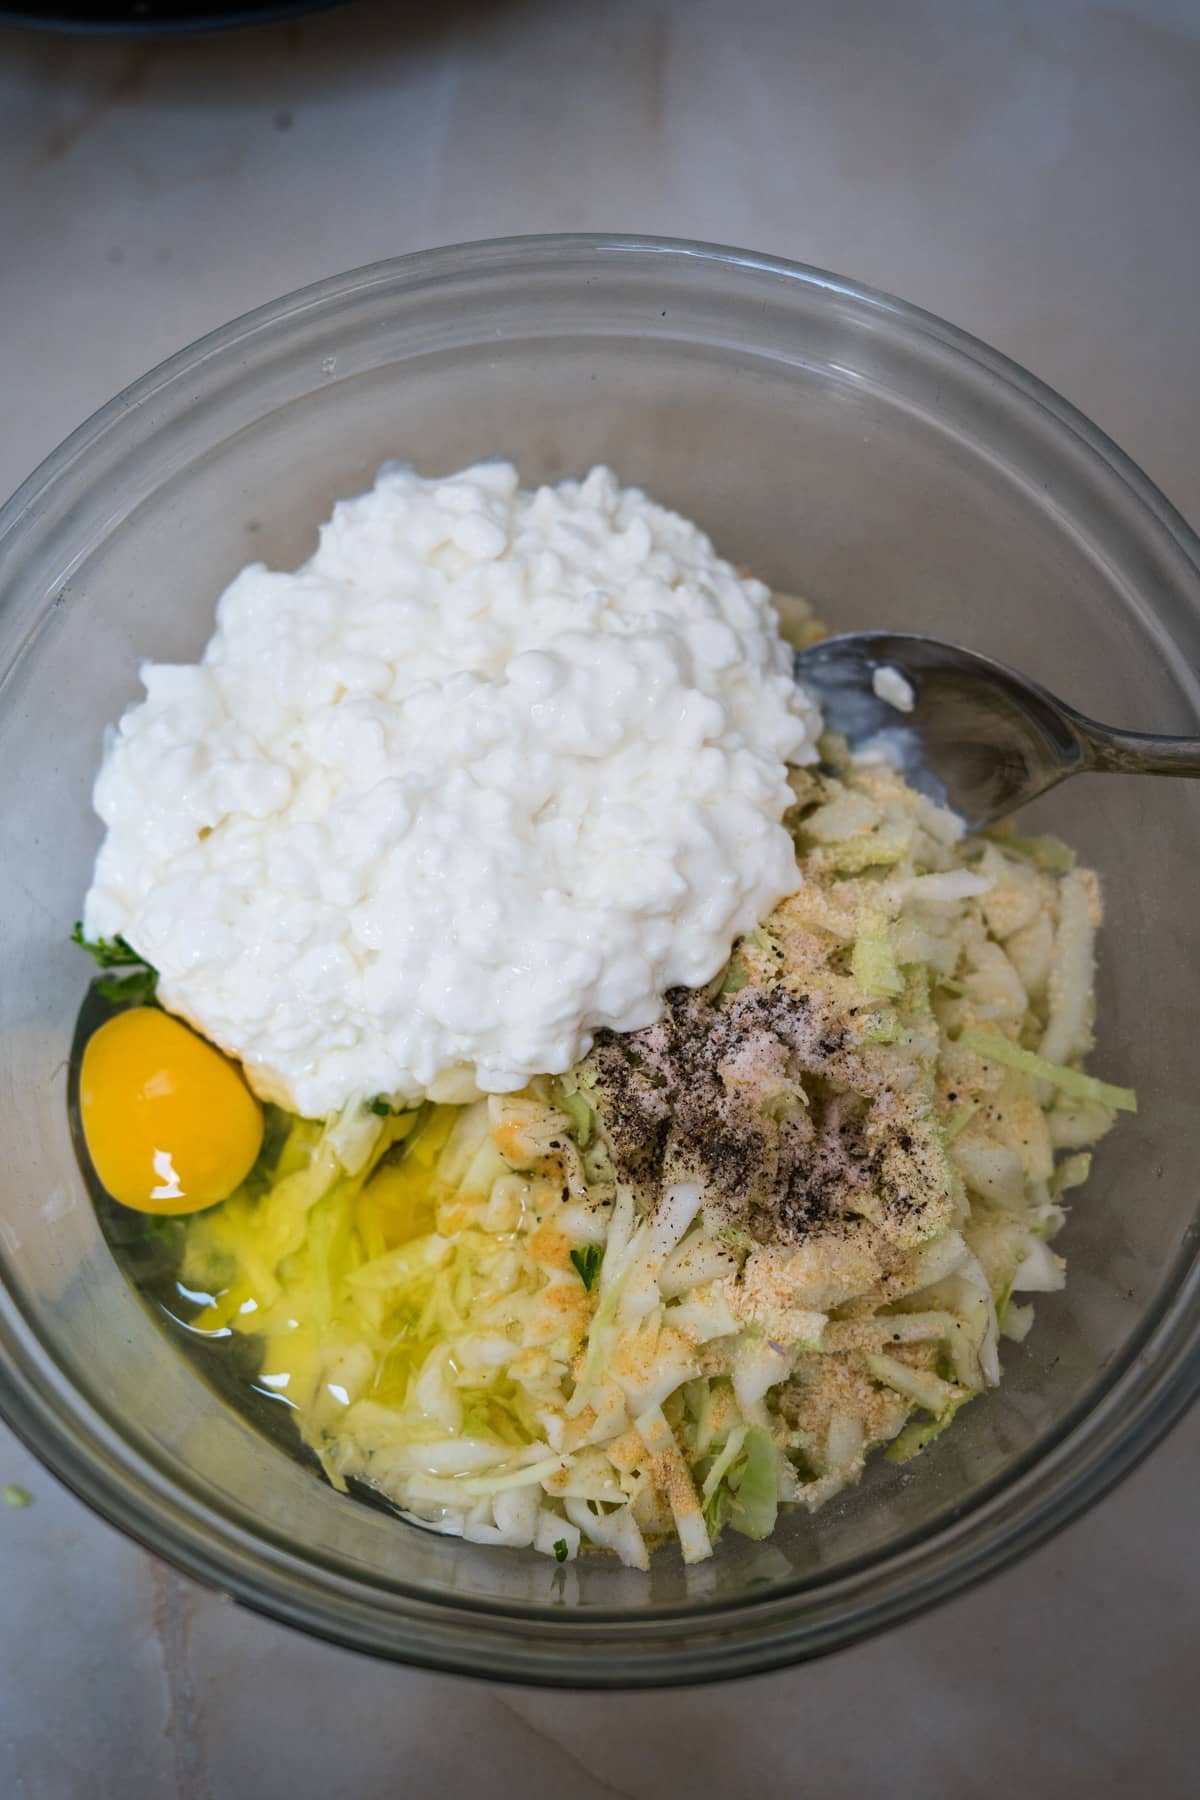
(1029, 171)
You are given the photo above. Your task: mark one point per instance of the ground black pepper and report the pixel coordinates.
(770, 1101)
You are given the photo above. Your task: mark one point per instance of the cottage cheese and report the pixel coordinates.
(893, 688)
(493, 769)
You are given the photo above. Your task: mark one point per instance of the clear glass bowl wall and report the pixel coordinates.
(839, 444)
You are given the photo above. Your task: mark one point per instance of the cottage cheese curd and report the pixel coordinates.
(493, 769)
(893, 688)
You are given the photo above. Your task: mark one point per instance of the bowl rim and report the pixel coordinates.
(489, 255)
(1147, 1389)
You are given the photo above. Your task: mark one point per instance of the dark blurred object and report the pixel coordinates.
(156, 15)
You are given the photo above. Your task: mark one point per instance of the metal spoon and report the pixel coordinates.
(979, 737)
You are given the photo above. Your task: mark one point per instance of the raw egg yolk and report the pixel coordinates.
(171, 1126)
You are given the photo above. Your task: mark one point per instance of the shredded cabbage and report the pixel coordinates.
(1071, 1081)
(471, 1310)
(873, 961)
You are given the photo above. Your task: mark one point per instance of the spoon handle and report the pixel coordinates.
(1137, 752)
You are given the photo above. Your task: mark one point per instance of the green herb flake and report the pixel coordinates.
(561, 1552)
(109, 953)
(381, 1106)
(587, 1263)
(17, 1496)
(138, 988)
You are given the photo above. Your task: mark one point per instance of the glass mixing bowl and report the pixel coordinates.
(838, 443)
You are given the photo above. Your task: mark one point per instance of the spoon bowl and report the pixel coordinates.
(969, 732)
